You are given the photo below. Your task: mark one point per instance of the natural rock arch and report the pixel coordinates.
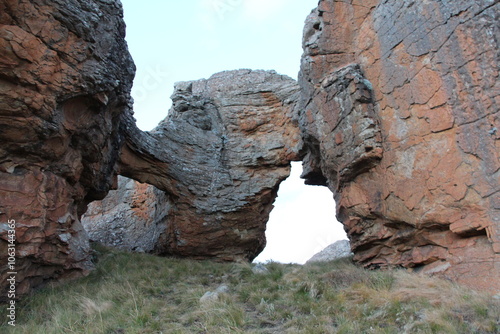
(220, 154)
(399, 118)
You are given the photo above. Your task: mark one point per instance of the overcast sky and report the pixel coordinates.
(174, 41)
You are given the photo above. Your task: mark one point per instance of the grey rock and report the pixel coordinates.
(213, 296)
(131, 218)
(337, 250)
(260, 268)
(220, 155)
(209, 297)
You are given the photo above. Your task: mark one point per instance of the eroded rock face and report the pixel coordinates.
(65, 78)
(132, 217)
(400, 115)
(220, 154)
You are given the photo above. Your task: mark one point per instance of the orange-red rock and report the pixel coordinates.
(399, 115)
(65, 78)
(427, 195)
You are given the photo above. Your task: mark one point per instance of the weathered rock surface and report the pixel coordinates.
(132, 217)
(400, 116)
(337, 250)
(65, 78)
(220, 154)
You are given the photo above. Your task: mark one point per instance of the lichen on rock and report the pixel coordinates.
(426, 196)
(65, 79)
(396, 110)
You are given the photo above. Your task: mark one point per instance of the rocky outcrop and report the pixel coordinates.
(220, 154)
(337, 250)
(132, 217)
(65, 78)
(400, 116)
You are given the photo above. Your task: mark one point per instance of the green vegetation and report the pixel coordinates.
(138, 293)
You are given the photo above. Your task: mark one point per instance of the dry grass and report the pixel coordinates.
(138, 293)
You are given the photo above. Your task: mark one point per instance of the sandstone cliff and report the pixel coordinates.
(399, 113)
(65, 78)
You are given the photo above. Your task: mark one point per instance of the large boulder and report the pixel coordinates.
(400, 117)
(337, 250)
(131, 217)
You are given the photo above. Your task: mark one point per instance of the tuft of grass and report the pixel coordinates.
(140, 293)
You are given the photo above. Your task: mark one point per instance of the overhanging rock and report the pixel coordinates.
(423, 191)
(220, 154)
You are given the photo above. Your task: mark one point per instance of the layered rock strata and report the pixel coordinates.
(400, 116)
(65, 78)
(132, 217)
(220, 154)
(398, 112)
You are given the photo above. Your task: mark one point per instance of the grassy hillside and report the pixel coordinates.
(138, 293)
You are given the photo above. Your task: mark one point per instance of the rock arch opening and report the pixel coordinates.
(410, 148)
(302, 222)
(135, 217)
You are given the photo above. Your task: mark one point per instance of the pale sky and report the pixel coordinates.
(174, 41)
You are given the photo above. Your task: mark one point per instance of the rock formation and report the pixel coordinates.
(400, 117)
(65, 113)
(337, 250)
(220, 154)
(65, 78)
(132, 217)
(396, 111)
